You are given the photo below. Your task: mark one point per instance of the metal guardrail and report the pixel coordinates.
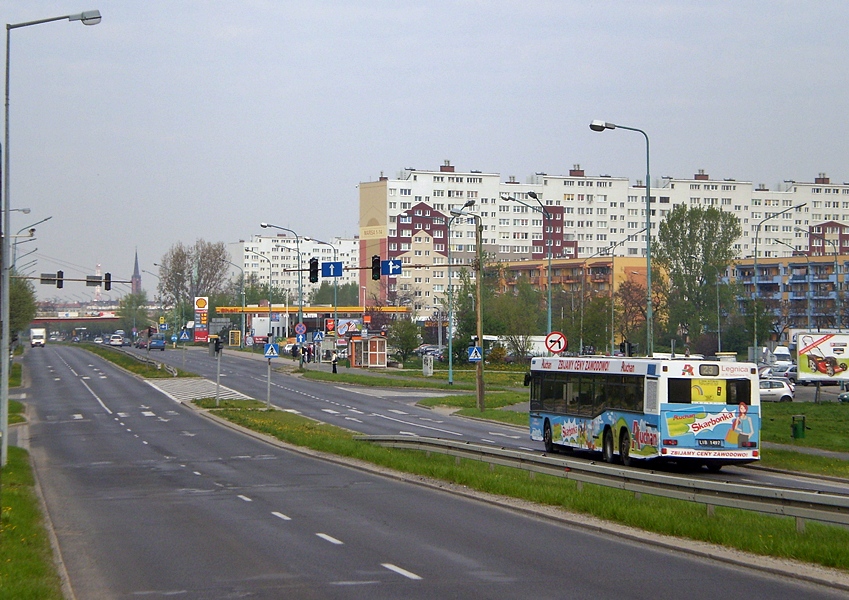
(147, 361)
(801, 504)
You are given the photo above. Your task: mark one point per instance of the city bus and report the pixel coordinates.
(701, 412)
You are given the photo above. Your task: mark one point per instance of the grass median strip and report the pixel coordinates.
(733, 528)
(133, 365)
(26, 560)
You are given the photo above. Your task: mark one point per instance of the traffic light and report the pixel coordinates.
(218, 345)
(107, 281)
(375, 267)
(60, 279)
(313, 270)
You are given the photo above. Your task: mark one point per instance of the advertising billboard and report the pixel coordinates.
(822, 356)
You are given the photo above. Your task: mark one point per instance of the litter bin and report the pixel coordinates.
(797, 426)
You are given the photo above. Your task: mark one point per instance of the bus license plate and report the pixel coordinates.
(712, 443)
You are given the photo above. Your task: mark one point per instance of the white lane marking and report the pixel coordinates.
(398, 412)
(512, 437)
(196, 472)
(123, 415)
(417, 425)
(96, 397)
(353, 419)
(245, 498)
(291, 410)
(330, 410)
(281, 516)
(355, 411)
(400, 571)
(187, 433)
(148, 413)
(329, 538)
(77, 416)
(487, 441)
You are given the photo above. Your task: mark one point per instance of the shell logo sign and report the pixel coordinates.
(201, 324)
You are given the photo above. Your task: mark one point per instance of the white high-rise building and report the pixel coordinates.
(274, 259)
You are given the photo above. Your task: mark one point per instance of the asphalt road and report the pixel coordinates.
(149, 499)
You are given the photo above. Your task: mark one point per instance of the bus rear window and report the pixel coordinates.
(685, 391)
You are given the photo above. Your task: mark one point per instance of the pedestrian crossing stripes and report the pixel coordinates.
(192, 388)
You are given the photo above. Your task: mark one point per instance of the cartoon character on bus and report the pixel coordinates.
(742, 425)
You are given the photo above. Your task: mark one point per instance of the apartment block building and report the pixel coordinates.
(576, 216)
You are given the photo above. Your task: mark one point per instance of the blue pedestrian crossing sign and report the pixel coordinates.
(272, 350)
(390, 267)
(317, 336)
(475, 354)
(331, 269)
(184, 336)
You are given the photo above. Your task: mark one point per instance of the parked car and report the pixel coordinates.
(116, 340)
(843, 397)
(156, 342)
(791, 374)
(776, 390)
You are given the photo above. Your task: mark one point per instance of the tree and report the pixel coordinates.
(346, 294)
(132, 310)
(694, 245)
(403, 335)
(189, 271)
(22, 304)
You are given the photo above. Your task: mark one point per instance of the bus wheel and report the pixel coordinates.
(546, 438)
(607, 446)
(625, 447)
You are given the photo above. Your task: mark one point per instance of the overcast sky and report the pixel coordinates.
(173, 121)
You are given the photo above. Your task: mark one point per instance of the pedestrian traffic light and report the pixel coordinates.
(375, 267)
(60, 279)
(107, 281)
(313, 270)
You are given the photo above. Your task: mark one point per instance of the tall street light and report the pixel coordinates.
(548, 217)
(478, 284)
(300, 283)
(601, 126)
(335, 279)
(807, 278)
(32, 226)
(584, 278)
(838, 302)
(242, 286)
(264, 257)
(91, 17)
(755, 292)
(451, 299)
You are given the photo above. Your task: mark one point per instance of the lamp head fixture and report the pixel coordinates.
(89, 17)
(533, 195)
(263, 225)
(601, 125)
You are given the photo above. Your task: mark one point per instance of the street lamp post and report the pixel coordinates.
(335, 279)
(478, 285)
(242, 286)
(264, 257)
(807, 279)
(755, 292)
(32, 227)
(548, 217)
(601, 126)
(451, 300)
(610, 248)
(91, 17)
(838, 302)
(300, 283)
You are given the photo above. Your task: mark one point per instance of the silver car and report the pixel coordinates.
(776, 390)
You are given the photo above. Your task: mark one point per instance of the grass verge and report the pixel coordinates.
(131, 364)
(827, 424)
(733, 528)
(26, 559)
(463, 379)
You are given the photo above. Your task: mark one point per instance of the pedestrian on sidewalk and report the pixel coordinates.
(333, 360)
